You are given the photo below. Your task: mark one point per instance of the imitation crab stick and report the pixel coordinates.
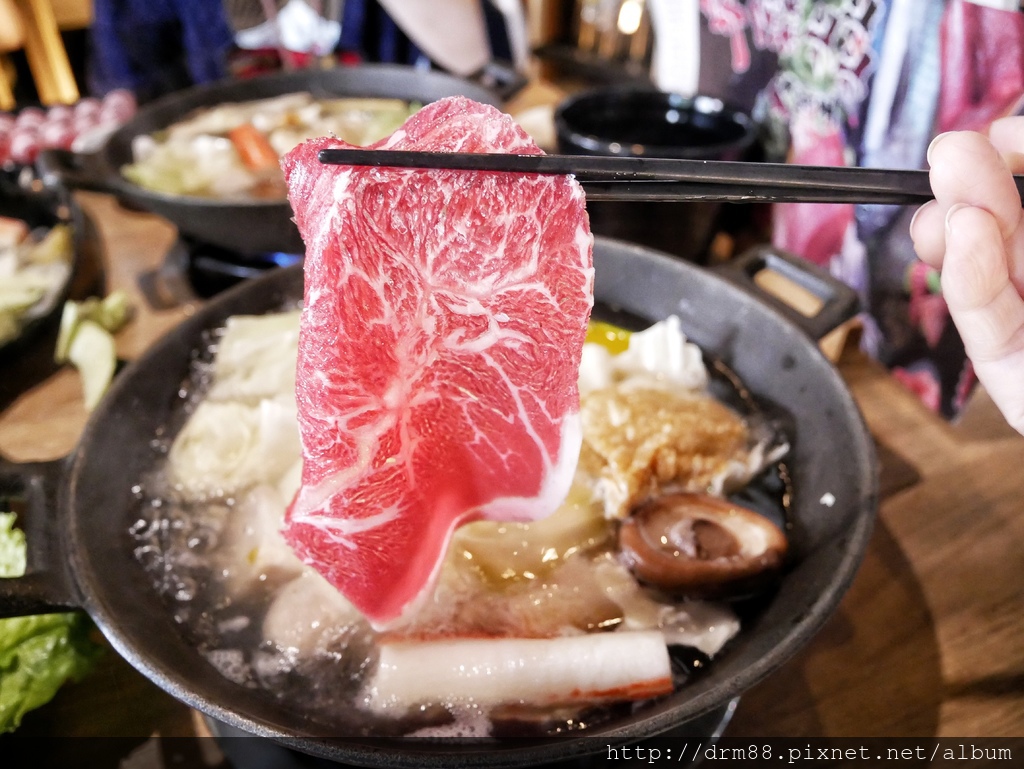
(493, 671)
(12, 232)
(253, 147)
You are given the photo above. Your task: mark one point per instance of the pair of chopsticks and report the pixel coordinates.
(671, 179)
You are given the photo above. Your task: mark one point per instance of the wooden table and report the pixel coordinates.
(928, 641)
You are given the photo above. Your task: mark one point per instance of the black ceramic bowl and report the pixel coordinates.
(646, 123)
(649, 123)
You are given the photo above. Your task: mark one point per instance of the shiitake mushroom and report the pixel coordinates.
(700, 546)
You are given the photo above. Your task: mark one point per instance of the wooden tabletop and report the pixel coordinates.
(926, 643)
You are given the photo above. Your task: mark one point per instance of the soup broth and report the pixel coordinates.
(206, 534)
(233, 150)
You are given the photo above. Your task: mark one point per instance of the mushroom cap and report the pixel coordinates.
(700, 546)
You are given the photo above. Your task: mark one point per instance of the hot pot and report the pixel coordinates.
(242, 226)
(79, 509)
(46, 209)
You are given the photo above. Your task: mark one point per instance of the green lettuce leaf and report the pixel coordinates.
(37, 654)
(12, 547)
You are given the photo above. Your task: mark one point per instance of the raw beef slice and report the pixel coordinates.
(442, 328)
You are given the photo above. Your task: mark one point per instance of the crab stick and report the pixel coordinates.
(540, 671)
(253, 147)
(12, 232)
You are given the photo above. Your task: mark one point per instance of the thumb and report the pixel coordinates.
(985, 306)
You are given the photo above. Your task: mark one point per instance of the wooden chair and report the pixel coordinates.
(12, 37)
(40, 24)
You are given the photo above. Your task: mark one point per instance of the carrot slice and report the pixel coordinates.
(253, 147)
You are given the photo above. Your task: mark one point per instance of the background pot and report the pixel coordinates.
(79, 510)
(247, 227)
(19, 357)
(635, 122)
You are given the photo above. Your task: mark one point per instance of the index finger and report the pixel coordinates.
(1007, 136)
(966, 169)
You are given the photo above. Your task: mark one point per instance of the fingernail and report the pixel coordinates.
(949, 216)
(931, 146)
(913, 219)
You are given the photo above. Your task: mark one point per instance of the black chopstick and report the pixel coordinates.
(756, 192)
(673, 179)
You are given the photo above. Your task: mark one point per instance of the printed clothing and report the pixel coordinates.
(869, 83)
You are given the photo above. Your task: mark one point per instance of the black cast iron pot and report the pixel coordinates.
(44, 209)
(80, 509)
(243, 226)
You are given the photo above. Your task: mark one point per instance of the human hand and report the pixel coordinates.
(974, 232)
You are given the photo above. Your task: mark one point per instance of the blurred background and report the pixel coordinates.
(825, 82)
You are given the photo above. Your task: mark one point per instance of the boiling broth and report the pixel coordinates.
(183, 546)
